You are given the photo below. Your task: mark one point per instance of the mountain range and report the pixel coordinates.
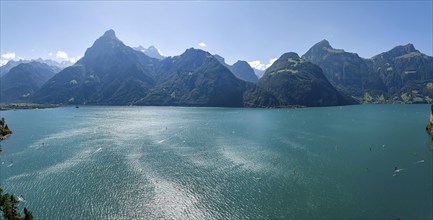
(195, 78)
(151, 51)
(112, 73)
(241, 69)
(293, 80)
(23, 80)
(402, 74)
(57, 67)
(109, 73)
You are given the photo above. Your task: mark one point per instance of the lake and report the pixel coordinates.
(103, 162)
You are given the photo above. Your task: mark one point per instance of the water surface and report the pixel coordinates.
(220, 163)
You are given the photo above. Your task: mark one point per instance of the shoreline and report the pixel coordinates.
(16, 106)
(29, 106)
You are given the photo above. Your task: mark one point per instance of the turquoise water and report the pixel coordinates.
(220, 163)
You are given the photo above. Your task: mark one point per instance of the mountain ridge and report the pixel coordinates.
(241, 69)
(197, 78)
(295, 81)
(382, 78)
(23, 80)
(109, 73)
(151, 51)
(112, 73)
(57, 67)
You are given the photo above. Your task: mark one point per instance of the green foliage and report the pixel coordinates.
(73, 82)
(258, 97)
(429, 86)
(381, 98)
(295, 62)
(405, 97)
(27, 214)
(410, 55)
(285, 71)
(8, 205)
(11, 106)
(4, 128)
(367, 98)
(418, 99)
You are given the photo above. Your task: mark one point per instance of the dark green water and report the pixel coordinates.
(220, 163)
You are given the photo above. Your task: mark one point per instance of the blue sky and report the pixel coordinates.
(252, 31)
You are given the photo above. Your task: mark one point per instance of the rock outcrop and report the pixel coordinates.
(430, 124)
(429, 127)
(4, 130)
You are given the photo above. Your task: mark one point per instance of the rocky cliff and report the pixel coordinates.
(429, 127)
(430, 124)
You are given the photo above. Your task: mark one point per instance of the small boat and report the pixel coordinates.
(398, 170)
(21, 198)
(77, 106)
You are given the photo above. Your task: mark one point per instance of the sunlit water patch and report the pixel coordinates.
(356, 162)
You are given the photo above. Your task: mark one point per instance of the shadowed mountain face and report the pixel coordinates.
(195, 78)
(346, 71)
(402, 74)
(23, 80)
(112, 73)
(241, 69)
(244, 71)
(259, 73)
(109, 73)
(8, 66)
(294, 81)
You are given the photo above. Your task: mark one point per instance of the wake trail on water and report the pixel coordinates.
(399, 170)
(169, 138)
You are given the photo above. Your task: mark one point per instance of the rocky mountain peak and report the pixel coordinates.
(323, 43)
(110, 34)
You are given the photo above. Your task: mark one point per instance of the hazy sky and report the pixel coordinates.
(235, 30)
